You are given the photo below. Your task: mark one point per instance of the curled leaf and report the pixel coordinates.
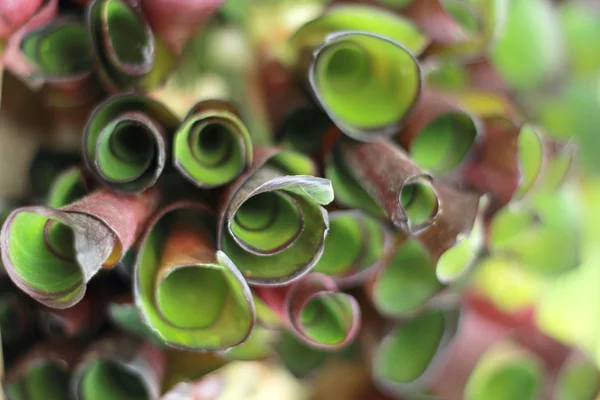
(212, 146)
(68, 187)
(119, 368)
(505, 372)
(418, 268)
(62, 56)
(128, 54)
(361, 18)
(408, 354)
(46, 167)
(189, 293)
(316, 311)
(366, 83)
(125, 315)
(360, 173)
(51, 254)
(439, 135)
(43, 373)
(258, 346)
(126, 139)
(354, 247)
(271, 222)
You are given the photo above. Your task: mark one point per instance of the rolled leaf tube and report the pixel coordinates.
(51, 254)
(404, 361)
(298, 357)
(360, 173)
(68, 187)
(366, 83)
(129, 56)
(358, 18)
(212, 146)
(439, 135)
(505, 372)
(258, 346)
(354, 247)
(191, 295)
(43, 373)
(316, 311)
(124, 314)
(119, 368)
(62, 56)
(125, 141)
(271, 222)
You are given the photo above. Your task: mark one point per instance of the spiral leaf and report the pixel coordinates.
(212, 146)
(51, 254)
(129, 55)
(366, 83)
(271, 222)
(179, 272)
(125, 141)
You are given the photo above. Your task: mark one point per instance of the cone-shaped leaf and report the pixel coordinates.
(129, 56)
(366, 83)
(505, 372)
(358, 18)
(191, 295)
(408, 352)
(354, 246)
(321, 315)
(126, 139)
(298, 357)
(578, 379)
(212, 146)
(543, 235)
(360, 173)
(119, 368)
(46, 166)
(271, 223)
(51, 254)
(68, 187)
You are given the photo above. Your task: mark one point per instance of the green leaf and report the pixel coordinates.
(531, 158)
(69, 186)
(529, 51)
(127, 318)
(128, 54)
(366, 83)
(258, 346)
(179, 271)
(297, 356)
(505, 372)
(359, 18)
(212, 146)
(408, 351)
(354, 245)
(43, 380)
(577, 379)
(46, 166)
(59, 50)
(272, 224)
(125, 141)
(407, 282)
(119, 368)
